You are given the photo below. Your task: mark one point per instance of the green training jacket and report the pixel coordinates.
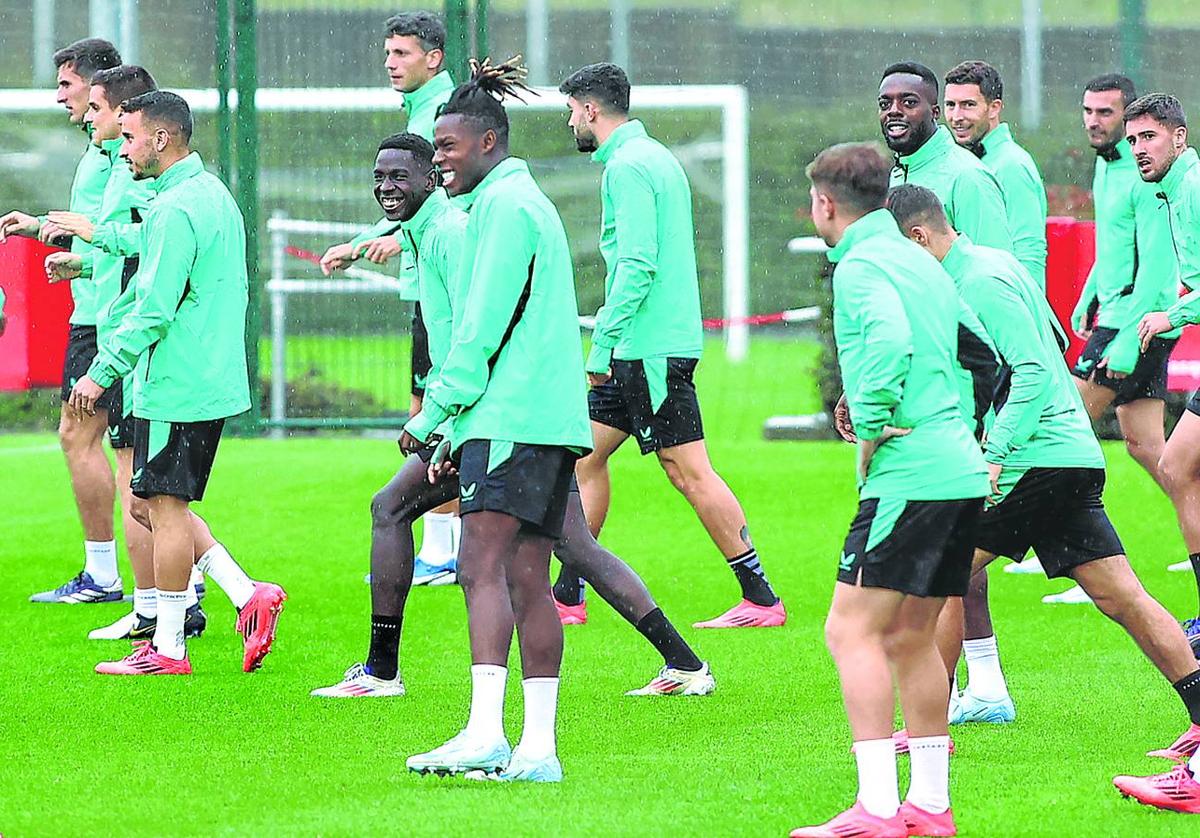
(87, 190)
(1024, 198)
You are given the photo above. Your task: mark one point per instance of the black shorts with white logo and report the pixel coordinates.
(921, 548)
(1193, 404)
(1148, 379)
(81, 351)
(173, 458)
(527, 482)
(1056, 511)
(421, 362)
(120, 427)
(653, 400)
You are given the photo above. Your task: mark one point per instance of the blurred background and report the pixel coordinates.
(810, 69)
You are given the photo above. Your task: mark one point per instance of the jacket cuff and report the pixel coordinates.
(427, 421)
(599, 359)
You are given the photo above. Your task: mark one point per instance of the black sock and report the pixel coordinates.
(1194, 558)
(1188, 688)
(751, 577)
(676, 653)
(383, 660)
(569, 588)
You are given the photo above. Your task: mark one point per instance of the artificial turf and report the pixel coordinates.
(222, 752)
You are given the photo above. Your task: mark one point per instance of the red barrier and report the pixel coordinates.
(1071, 250)
(35, 340)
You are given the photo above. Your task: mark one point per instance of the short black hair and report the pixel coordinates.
(425, 26)
(1161, 107)
(604, 83)
(978, 73)
(124, 82)
(163, 106)
(913, 68)
(480, 98)
(88, 56)
(420, 147)
(1114, 81)
(910, 204)
(857, 174)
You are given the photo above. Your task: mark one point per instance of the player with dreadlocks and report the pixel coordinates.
(512, 385)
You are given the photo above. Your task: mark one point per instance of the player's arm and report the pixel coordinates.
(1014, 330)
(887, 351)
(1082, 315)
(1024, 196)
(636, 264)
(977, 356)
(1157, 276)
(979, 209)
(500, 275)
(438, 272)
(170, 249)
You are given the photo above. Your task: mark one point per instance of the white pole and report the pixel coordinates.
(43, 41)
(279, 241)
(130, 45)
(102, 20)
(618, 38)
(1031, 64)
(537, 31)
(735, 119)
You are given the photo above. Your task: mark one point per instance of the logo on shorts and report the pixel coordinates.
(1084, 365)
(847, 562)
(644, 433)
(137, 475)
(419, 380)
(468, 492)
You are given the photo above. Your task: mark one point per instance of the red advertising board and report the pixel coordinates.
(35, 339)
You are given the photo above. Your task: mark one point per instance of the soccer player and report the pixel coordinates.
(82, 438)
(190, 304)
(921, 485)
(406, 187)
(1134, 273)
(415, 49)
(513, 383)
(647, 339)
(974, 103)
(927, 155)
(1045, 465)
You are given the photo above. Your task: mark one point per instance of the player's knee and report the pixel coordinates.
(1176, 473)
(139, 510)
(388, 511)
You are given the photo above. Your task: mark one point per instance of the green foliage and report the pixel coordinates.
(30, 410)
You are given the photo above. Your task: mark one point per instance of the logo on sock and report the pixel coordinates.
(468, 492)
(846, 562)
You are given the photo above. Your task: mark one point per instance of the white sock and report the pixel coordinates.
(1194, 765)
(929, 786)
(168, 633)
(145, 602)
(487, 702)
(100, 562)
(541, 713)
(438, 542)
(192, 598)
(985, 680)
(878, 788)
(228, 574)
(197, 576)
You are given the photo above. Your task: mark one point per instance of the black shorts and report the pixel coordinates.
(653, 401)
(1148, 379)
(527, 482)
(1056, 511)
(81, 351)
(173, 458)
(1193, 404)
(421, 363)
(120, 423)
(922, 548)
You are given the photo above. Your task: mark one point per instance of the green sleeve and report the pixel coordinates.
(1149, 287)
(1014, 330)
(87, 264)
(979, 209)
(118, 238)
(500, 272)
(170, 249)
(1, 302)
(382, 227)
(886, 357)
(447, 256)
(636, 264)
(1187, 309)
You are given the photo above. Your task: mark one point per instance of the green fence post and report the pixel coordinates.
(1132, 24)
(224, 82)
(481, 29)
(246, 158)
(458, 38)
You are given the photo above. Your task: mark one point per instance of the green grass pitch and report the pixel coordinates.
(227, 753)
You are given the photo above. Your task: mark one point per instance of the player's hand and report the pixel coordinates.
(336, 258)
(841, 420)
(18, 224)
(994, 470)
(1113, 374)
(63, 266)
(84, 395)
(75, 223)
(380, 250)
(53, 235)
(1152, 325)
(409, 444)
(596, 379)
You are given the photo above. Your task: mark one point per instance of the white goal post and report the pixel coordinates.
(730, 100)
